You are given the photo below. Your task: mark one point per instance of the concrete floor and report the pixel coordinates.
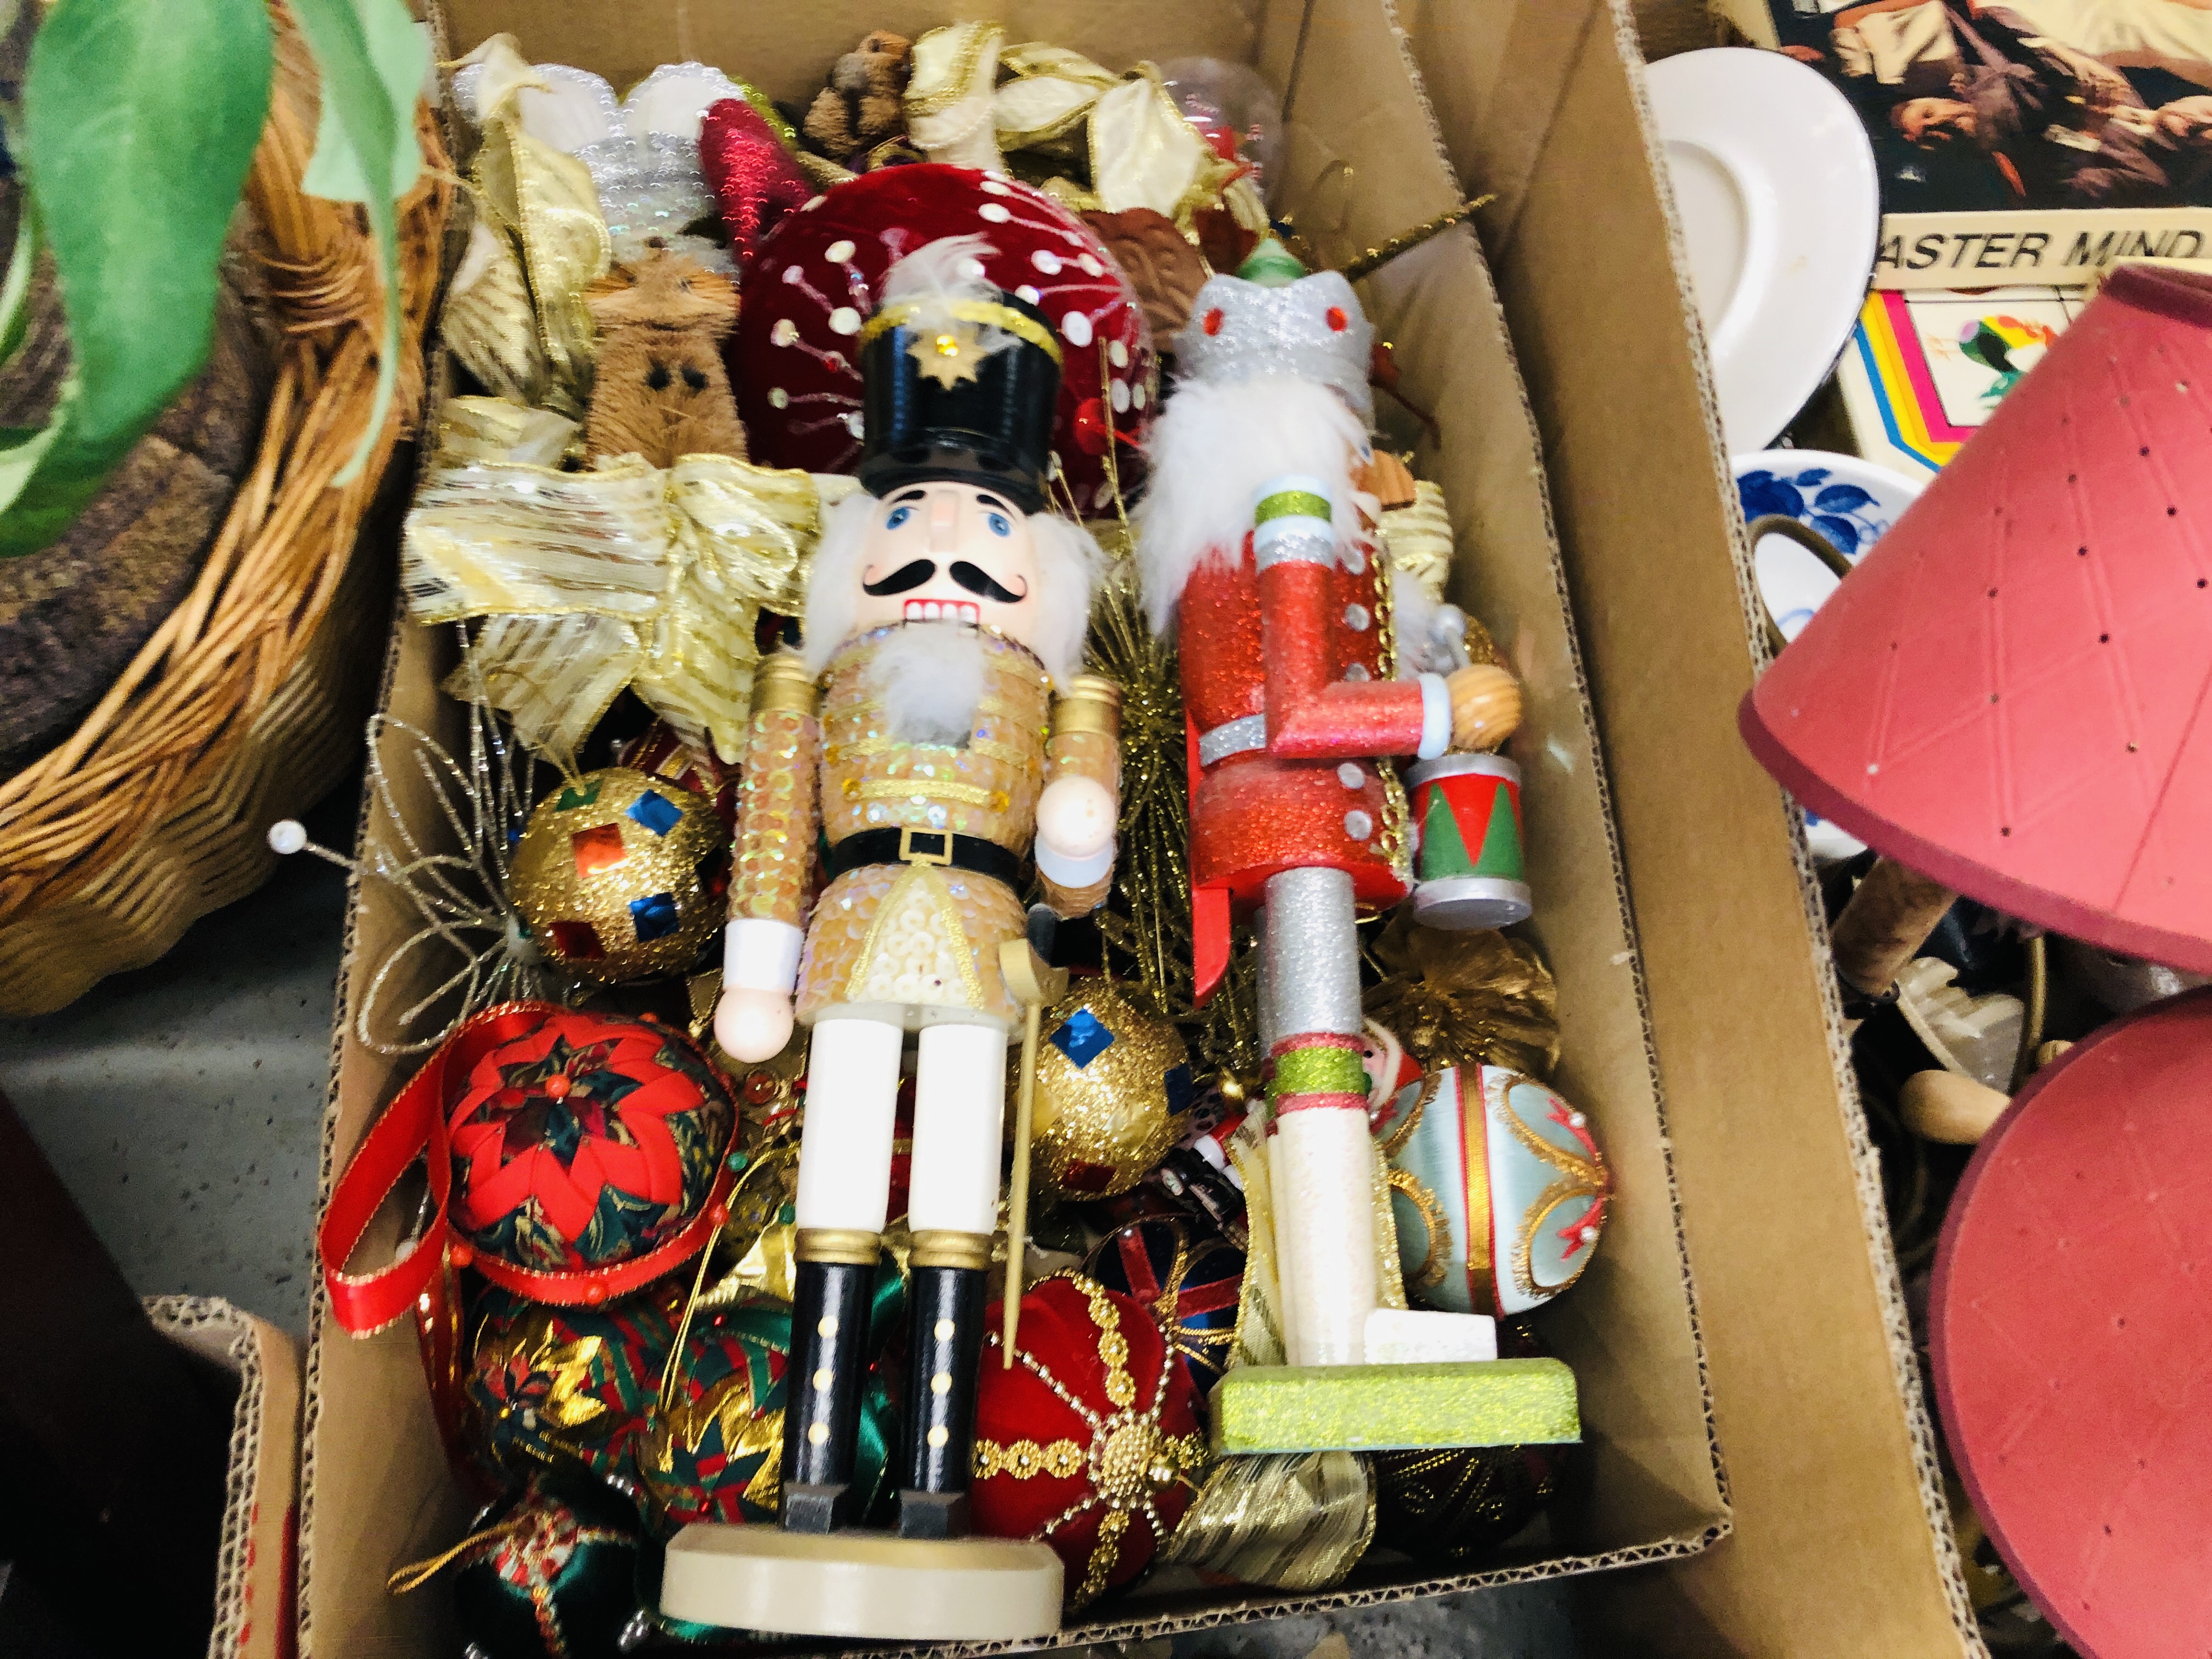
(182, 1104)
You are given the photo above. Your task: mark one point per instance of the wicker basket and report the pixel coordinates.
(246, 704)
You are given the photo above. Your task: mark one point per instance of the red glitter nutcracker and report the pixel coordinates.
(1258, 545)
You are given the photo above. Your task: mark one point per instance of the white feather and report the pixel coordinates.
(938, 275)
(1212, 448)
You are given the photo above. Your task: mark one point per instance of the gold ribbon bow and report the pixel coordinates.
(1097, 141)
(630, 575)
(545, 203)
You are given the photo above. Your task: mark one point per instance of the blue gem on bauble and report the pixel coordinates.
(653, 916)
(1082, 1038)
(656, 811)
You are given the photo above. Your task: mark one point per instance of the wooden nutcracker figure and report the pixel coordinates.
(952, 742)
(1259, 549)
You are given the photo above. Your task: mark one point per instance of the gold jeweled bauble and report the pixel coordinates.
(1113, 1092)
(621, 876)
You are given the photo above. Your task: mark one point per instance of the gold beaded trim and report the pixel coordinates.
(1431, 1273)
(1025, 1460)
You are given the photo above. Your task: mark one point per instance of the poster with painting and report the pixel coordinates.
(1976, 107)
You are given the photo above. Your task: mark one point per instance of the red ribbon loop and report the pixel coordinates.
(423, 1281)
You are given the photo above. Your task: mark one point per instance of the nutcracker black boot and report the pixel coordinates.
(945, 1348)
(822, 1388)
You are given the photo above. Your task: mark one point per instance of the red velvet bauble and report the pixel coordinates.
(1100, 1465)
(793, 358)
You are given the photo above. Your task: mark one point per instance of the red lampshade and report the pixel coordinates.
(2070, 1330)
(2009, 694)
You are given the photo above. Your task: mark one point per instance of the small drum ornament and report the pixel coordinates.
(1497, 1187)
(1467, 811)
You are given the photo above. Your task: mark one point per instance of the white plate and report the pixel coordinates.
(1779, 201)
(1850, 501)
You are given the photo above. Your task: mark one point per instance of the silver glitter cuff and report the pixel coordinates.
(1293, 546)
(1312, 953)
(1232, 738)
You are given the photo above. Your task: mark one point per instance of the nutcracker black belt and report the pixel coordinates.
(942, 847)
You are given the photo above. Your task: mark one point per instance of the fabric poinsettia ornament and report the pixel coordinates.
(556, 1388)
(1089, 1440)
(713, 1451)
(573, 1158)
(583, 1141)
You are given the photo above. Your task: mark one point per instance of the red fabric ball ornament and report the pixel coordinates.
(1090, 1440)
(752, 175)
(584, 1140)
(793, 357)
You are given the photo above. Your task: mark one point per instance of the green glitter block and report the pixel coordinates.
(1296, 1408)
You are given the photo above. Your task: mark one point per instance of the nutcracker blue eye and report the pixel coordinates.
(899, 516)
(999, 527)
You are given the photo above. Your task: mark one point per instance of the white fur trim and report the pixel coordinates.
(833, 582)
(1073, 874)
(1412, 617)
(1436, 717)
(1071, 566)
(761, 955)
(1210, 448)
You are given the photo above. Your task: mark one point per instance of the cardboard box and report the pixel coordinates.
(1364, 164)
(1842, 1544)
(253, 1571)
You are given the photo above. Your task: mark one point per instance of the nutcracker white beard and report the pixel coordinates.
(929, 676)
(1212, 446)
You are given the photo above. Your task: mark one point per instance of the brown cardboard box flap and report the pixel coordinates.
(253, 1570)
(1842, 1544)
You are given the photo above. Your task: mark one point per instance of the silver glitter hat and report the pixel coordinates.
(1312, 329)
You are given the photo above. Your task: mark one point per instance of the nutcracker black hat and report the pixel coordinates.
(961, 380)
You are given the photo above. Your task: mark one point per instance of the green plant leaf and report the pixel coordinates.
(15, 289)
(373, 60)
(139, 118)
(400, 52)
(21, 448)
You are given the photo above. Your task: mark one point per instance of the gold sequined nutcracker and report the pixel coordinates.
(951, 742)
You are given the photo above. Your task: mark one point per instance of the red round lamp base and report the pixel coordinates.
(2070, 1327)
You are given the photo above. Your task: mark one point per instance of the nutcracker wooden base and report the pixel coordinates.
(863, 1585)
(1300, 1408)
